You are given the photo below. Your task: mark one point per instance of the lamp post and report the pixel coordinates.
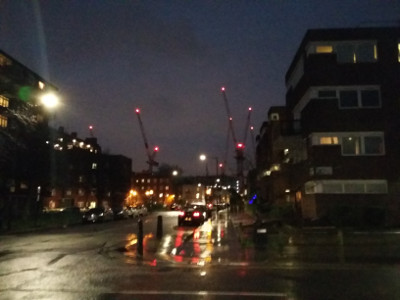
(50, 101)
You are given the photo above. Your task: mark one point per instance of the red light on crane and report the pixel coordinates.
(240, 146)
(137, 110)
(223, 89)
(156, 148)
(250, 108)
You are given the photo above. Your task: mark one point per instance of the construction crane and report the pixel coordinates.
(239, 146)
(150, 155)
(247, 127)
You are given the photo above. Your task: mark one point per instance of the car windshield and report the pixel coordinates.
(199, 149)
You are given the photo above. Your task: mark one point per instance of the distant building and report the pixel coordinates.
(83, 176)
(114, 179)
(333, 152)
(150, 188)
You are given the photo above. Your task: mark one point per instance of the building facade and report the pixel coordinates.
(151, 188)
(343, 98)
(23, 133)
(83, 176)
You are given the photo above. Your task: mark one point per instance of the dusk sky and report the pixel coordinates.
(170, 59)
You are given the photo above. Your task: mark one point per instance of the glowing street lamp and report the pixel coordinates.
(203, 157)
(49, 100)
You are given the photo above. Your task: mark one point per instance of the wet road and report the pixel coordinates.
(99, 261)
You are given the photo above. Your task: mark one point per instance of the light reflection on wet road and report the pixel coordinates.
(99, 261)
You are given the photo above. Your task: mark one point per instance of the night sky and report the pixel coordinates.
(170, 58)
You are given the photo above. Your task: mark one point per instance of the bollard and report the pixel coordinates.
(140, 238)
(159, 227)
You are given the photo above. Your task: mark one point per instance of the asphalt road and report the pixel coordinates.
(100, 261)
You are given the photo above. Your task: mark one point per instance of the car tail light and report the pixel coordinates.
(181, 213)
(196, 214)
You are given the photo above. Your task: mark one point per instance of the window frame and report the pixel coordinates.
(360, 147)
(353, 46)
(346, 186)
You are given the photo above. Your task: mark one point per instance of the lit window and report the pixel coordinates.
(4, 101)
(41, 85)
(398, 55)
(329, 140)
(3, 121)
(323, 49)
(94, 166)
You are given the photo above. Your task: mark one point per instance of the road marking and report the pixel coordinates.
(264, 295)
(207, 293)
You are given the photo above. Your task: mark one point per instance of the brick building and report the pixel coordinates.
(334, 149)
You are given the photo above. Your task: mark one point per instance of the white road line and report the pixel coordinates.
(207, 293)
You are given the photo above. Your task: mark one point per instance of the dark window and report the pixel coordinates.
(366, 52)
(345, 53)
(327, 94)
(373, 145)
(351, 145)
(370, 98)
(348, 99)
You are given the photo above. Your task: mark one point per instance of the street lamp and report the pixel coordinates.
(49, 100)
(203, 157)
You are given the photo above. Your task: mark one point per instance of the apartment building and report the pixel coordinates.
(343, 99)
(83, 176)
(23, 132)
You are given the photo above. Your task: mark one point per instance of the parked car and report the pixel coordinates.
(129, 211)
(98, 214)
(138, 211)
(175, 206)
(194, 214)
(120, 213)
